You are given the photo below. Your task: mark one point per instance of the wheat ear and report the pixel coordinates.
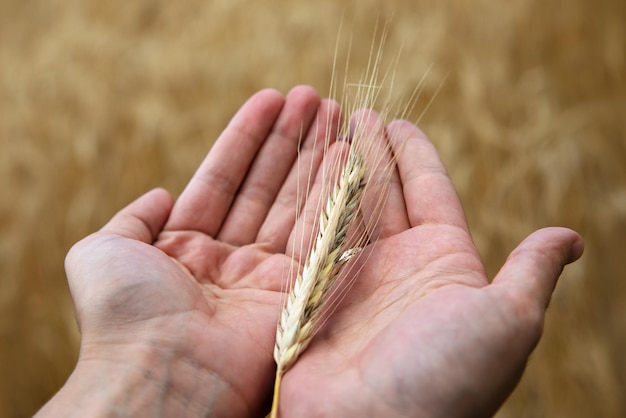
(301, 315)
(314, 295)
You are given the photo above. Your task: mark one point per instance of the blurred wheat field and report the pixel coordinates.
(102, 100)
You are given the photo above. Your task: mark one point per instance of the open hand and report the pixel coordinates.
(422, 332)
(195, 285)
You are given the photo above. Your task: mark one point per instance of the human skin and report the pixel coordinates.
(178, 301)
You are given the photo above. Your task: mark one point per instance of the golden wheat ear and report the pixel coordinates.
(338, 239)
(350, 206)
(300, 318)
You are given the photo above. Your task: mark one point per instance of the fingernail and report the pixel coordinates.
(576, 250)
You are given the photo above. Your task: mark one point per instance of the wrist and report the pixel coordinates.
(106, 387)
(139, 380)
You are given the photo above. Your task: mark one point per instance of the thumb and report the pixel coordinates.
(143, 219)
(533, 268)
(525, 283)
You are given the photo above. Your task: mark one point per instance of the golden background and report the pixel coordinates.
(102, 100)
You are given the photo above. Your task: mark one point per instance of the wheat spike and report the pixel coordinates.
(312, 290)
(300, 317)
(370, 164)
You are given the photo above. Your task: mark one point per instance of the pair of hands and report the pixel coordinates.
(178, 302)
